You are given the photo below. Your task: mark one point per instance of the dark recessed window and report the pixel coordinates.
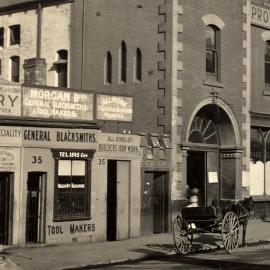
(61, 67)
(109, 68)
(138, 65)
(15, 34)
(212, 51)
(123, 62)
(72, 189)
(15, 68)
(267, 63)
(1, 36)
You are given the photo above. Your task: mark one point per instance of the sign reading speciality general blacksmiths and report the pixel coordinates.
(57, 104)
(115, 108)
(260, 16)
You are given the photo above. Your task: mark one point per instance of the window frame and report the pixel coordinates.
(2, 37)
(108, 68)
(12, 40)
(214, 50)
(12, 61)
(138, 67)
(123, 64)
(267, 62)
(58, 217)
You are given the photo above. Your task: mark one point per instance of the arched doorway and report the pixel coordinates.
(213, 159)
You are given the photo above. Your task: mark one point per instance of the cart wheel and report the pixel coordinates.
(182, 235)
(230, 232)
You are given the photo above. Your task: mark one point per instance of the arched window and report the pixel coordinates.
(61, 68)
(123, 62)
(212, 51)
(108, 68)
(15, 68)
(138, 65)
(267, 62)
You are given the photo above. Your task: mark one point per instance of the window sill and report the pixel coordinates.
(71, 219)
(261, 198)
(214, 83)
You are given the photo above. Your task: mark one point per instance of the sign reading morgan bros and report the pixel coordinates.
(57, 104)
(115, 108)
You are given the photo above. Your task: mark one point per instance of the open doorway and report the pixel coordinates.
(35, 208)
(6, 199)
(196, 174)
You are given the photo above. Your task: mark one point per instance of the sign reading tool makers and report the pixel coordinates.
(57, 104)
(115, 108)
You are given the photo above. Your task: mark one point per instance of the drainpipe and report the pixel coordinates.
(39, 30)
(82, 48)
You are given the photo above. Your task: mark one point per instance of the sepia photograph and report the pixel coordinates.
(134, 134)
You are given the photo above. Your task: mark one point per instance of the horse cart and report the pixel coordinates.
(208, 219)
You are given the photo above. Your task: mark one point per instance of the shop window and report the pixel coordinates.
(72, 189)
(267, 63)
(15, 68)
(138, 65)
(15, 34)
(61, 68)
(1, 36)
(212, 52)
(123, 62)
(108, 68)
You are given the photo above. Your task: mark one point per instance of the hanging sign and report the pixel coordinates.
(115, 108)
(57, 104)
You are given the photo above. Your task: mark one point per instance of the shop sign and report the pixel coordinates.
(57, 104)
(115, 108)
(10, 100)
(260, 16)
(9, 157)
(66, 138)
(72, 154)
(10, 135)
(121, 143)
(73, 229)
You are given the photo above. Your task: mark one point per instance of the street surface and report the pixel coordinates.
(251, 258)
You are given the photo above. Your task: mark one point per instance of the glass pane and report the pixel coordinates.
(63, 183)
(210, 37)
(78, 167)
(267, 72)
(78, 183)
(257, 146)
(210, 61)
(64, 167)
(196, 137)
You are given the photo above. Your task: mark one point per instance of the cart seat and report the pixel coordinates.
(199, 213)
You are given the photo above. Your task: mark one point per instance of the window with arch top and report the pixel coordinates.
(123, 62)
(138, 65)
(267, 62)
(212, 40)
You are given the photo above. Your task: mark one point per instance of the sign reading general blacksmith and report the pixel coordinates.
(57, 104)
(115, 108)
(260, 16)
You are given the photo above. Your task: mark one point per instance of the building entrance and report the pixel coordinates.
(118, 200)
(6, 199)
(35, 208)
(155, 198)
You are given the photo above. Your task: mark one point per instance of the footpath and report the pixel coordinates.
(77, 256)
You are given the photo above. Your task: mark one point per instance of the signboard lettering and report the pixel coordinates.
(114, 108)
(57, 104)
(9, 157)
(10, 100)
(260, 16)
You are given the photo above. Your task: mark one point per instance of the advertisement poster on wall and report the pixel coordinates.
(114, 108)
(57, 104)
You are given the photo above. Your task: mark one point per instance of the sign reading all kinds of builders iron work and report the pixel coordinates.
(260, 16)
(57, 104)
(10, 100)
(115, 108)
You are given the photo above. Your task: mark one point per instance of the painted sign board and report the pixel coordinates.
(57, 104)
(9, 158)
(260, 16)
(115, 108)
(10, 100)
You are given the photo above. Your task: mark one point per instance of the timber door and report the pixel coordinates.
(5, 207)
(35, 208)
(118, 200)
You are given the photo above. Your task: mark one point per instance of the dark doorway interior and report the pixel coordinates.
(196, 173)
(111, 200)
(35, 211)
(155, 203)
(5, 207)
